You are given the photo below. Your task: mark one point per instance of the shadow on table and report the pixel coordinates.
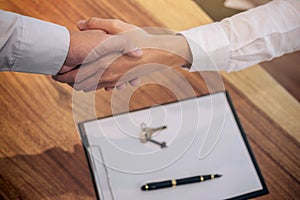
(52, 173)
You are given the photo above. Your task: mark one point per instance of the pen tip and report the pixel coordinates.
(218, 175)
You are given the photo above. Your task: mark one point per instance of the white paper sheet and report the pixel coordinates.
(202, 137)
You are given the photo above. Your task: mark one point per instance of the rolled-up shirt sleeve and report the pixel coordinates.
(31, 45)
(248, 38)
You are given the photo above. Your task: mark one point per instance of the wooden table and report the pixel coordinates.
(41, 156)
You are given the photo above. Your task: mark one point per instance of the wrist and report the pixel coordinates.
(171, 50)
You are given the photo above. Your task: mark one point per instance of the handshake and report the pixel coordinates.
(109, 53)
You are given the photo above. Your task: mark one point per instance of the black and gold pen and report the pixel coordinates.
(176, 182)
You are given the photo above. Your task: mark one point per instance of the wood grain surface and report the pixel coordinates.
(41, 156)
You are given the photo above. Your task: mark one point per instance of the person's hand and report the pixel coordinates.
(83, 48)
(111, 27)
(162, 49)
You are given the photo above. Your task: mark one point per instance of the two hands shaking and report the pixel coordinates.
(109, 53)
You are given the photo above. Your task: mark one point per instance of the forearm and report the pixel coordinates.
(248, 38)
(31, 45)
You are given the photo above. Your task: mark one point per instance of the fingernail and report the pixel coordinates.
(135, 82)
(80, 23)
(122, 86)
(138, 52)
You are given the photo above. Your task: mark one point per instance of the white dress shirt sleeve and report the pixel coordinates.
(248, 38)
(31, 45)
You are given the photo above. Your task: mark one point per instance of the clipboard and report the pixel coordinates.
(203, 135)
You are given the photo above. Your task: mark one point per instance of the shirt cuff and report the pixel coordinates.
(43, 47)
(209, 46)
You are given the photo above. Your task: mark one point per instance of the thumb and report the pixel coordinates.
(81, 25)
(97, 24)
(110, 26)
(84, 25)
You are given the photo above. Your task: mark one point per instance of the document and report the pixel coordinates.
(203, 136)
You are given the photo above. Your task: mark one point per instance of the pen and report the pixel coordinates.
(176, 182)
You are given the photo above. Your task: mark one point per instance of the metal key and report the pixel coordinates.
(147, 133)
(161, 144)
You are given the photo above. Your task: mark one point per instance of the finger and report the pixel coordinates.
(134, 53)
(106, 86)
(84, 71)
(65, 68)
(68, 77)
(135, 82)
(96, 68)
(88, 83)
(108, 89)
(113, 26)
